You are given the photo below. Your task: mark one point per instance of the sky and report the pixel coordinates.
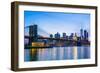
(53, 22)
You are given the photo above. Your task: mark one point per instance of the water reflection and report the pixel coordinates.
(57, 53)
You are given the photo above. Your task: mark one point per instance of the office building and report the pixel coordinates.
(81, 33)
(85, 34)
(57, 35)
(64, 35)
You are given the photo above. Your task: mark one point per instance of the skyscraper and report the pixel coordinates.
(85, 34)
(57, 35)
(81, 33)
(64, 35)
(75, 37)
(71, 36)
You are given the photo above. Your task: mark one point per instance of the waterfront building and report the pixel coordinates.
(57, 35)
(85, 34)
(81, 33)
(71, 36)
(75, 37)
(67, 37)
(64, 35)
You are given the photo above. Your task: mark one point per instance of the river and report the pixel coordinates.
(57, 53)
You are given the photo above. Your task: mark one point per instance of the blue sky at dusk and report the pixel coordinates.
(53, 22)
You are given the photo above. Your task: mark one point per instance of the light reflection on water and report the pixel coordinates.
(57, 53)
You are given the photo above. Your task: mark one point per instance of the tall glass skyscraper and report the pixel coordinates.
(81, 33)
(85, 34)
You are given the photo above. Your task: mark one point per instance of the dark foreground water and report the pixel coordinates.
(57, 53)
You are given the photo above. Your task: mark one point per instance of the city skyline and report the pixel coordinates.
(68, 35)
(63, 22)
(83, 33)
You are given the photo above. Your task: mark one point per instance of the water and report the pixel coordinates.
(57, 53)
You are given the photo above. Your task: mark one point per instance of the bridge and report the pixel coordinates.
(35, 34)
(63, 39)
